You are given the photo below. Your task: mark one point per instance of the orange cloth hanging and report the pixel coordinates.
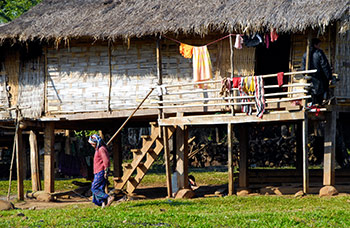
(273, 35)
(186, 50)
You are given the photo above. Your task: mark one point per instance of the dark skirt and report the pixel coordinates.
(97, 188)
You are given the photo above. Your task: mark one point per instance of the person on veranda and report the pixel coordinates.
(319, 80)
(101, 166)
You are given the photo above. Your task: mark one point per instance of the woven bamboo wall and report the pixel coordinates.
(31, 87)
(342, 64)
(78, 76)
(3, 93)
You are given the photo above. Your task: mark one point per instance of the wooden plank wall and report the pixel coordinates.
(342, 64)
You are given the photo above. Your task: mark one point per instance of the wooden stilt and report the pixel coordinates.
(167, 161)
(34, 161)
(299, 149)
(67, 148)
(305, 155)
(243, 155)
(49, 140)
(20, 165)
(230, 162)
(182, 156)
(117, 157)
(329, 149)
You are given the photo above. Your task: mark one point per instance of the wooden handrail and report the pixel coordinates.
(131, 115)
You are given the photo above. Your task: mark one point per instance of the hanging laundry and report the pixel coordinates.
(239, 42)
(186, 50)
(273, 35)
(249, 85)
(235, 82)
(280, 78)
(252, 41)
(202, 69)
(267, 40)
(225, 87)
(259, 96)
(246, 108)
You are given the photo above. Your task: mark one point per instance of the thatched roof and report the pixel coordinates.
(111, 19)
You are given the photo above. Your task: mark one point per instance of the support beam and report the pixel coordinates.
(167, 161)
(329, 149)
(20, 164)
(230, 162)
(243, 156)
(49, 140)
(305, 155)
(299, 149)
(117, 157)
(34, 161)
(67, 148)
(182, 156)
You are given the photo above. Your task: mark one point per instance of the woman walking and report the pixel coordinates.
(101, 165)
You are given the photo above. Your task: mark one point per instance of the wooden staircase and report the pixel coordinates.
(134, 172)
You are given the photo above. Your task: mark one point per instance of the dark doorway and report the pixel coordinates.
(273, 59)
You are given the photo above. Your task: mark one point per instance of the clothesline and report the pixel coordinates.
(177, 41)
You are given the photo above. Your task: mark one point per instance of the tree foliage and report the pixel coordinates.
(11, 9)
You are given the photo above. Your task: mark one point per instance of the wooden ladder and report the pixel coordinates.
(148, 152)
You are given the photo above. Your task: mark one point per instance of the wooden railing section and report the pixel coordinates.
(190, 95)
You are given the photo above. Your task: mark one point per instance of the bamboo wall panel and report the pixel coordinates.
(78, 76)
(31, 87)
(3, 93)
(342, 64)
(12, 63)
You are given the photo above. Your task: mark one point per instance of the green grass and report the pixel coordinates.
(233, 211)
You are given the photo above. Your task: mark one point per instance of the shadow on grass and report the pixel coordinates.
(170, 202)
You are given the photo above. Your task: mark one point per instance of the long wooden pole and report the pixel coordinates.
(131, 115)
(34, 161)
(229, 161)
(110, 76)
(167, 161)
(12, 160)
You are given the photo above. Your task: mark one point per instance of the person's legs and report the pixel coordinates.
(97, 189)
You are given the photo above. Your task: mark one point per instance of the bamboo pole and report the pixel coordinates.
(131, 115)
(264, 76)
(223, 104)
(225, 98)
(110, 76)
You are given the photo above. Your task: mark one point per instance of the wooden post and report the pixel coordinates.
(159, 74)
(110, 76)
(243, 156)
(305, 155)
(167, 161)
(329, 149)
(49, 140)
(20, 166)
(182, 156)
(299, 149)
(230, 162)
(67, 148)
(34, 161)
(232, 70)
(117, 157)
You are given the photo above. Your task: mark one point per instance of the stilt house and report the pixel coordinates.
(82, 64)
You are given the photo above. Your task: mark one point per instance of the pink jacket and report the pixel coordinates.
(101, 159)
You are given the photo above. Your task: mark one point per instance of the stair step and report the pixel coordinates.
(141, 168)
(117, 179)
(127, 166)
(136, 151)
(153, 123)
(146, 137)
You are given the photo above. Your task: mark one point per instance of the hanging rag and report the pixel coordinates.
(235, 82)
(186, 50)
(267, 40)
(239, 42)
(259, 96)
(225, 87)
(252, 41)
(246, 108)
(273, 35)
(161, 90)
(202, 69)
(280, 78)
(249, 85)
